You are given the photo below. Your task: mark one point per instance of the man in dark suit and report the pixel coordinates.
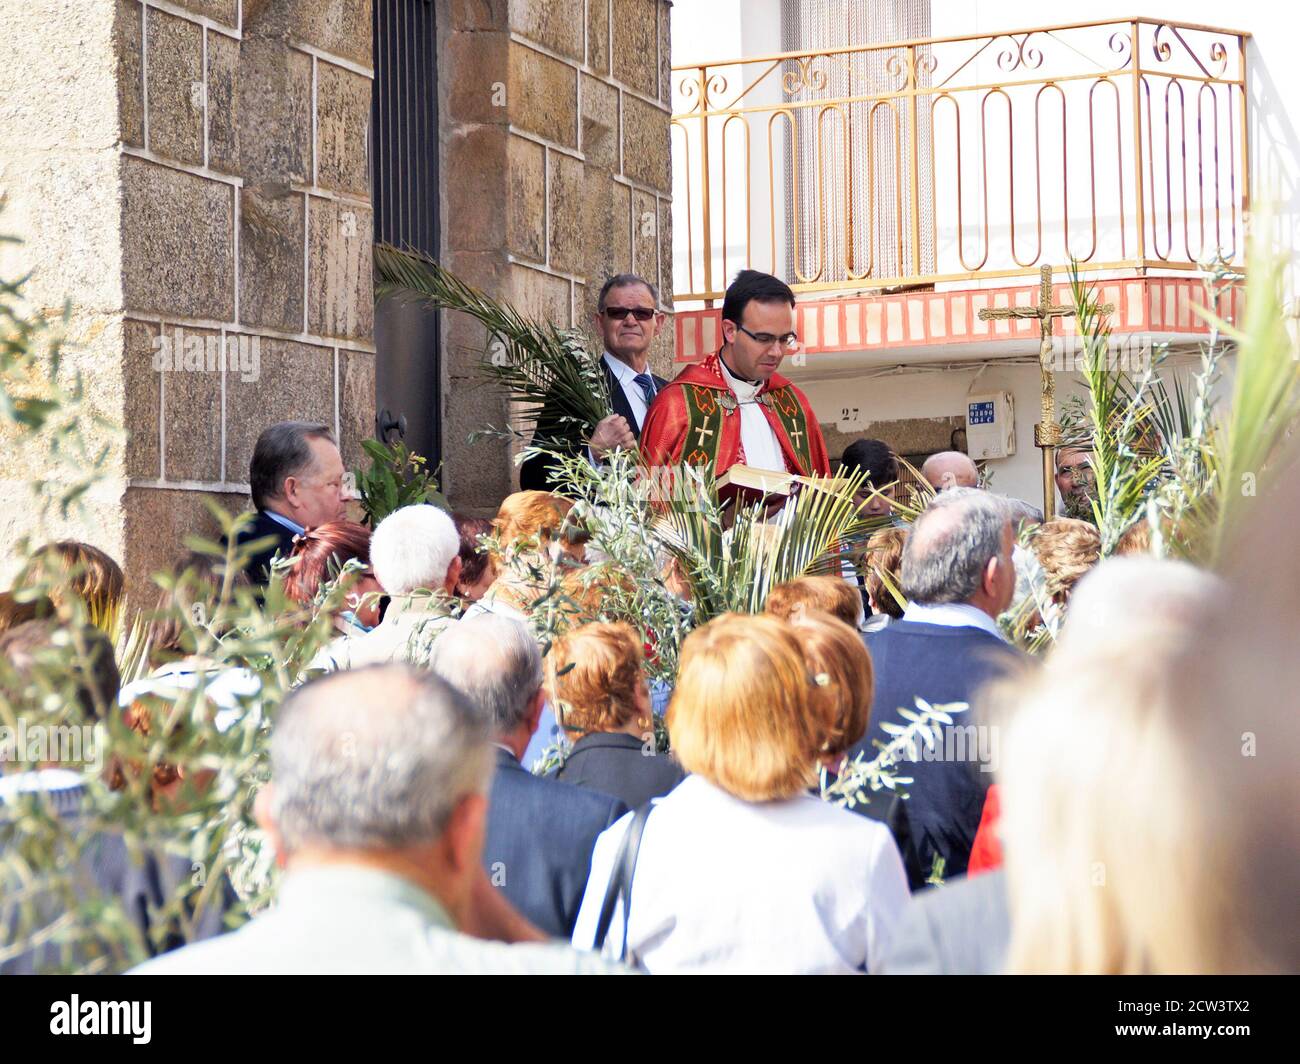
(296, 479)
(540, 832)
(958, 577)
(627, 319)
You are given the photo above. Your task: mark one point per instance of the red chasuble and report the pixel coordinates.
(696, 419)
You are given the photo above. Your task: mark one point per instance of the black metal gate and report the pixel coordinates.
(404, 184)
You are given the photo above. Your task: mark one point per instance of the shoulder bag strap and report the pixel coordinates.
(620, 880)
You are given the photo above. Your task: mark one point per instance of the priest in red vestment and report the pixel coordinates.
(734, 407)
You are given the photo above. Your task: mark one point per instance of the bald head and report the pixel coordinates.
(374, 758)
(950, 469)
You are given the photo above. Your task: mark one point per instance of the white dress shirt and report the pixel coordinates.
(724, 885)
(762, 448)
(953, 615)
(625, 375)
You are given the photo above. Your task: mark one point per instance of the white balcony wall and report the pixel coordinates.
(1273, 84)
(1079, 145)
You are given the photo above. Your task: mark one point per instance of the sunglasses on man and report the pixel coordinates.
(620, 313)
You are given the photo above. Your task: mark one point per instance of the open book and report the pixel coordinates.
(773, 481)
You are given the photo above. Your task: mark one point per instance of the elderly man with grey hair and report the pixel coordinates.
(958, 576)
(376, 808)
(540, 832)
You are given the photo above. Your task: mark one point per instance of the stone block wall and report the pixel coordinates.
(556, 174)
(247, 223)
(59, 165)
(193, 176)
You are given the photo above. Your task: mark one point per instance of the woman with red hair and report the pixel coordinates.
(318, 556)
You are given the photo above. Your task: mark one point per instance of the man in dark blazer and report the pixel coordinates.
(958, 577)
(627, 319)
(540, 832)
(296, 480)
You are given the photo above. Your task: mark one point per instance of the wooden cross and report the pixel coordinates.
(1047, 433)
(702, 432)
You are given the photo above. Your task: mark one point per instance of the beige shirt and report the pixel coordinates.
(407, 633)
(362, 921)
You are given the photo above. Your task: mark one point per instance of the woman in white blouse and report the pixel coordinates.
(740, 868)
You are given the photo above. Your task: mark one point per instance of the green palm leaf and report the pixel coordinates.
(548, 371)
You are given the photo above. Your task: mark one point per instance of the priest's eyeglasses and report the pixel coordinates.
(789, 341)
(620, 313)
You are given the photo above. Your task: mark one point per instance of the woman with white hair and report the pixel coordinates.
(415, 556)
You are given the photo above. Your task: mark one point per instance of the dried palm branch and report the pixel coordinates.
(1265, 411)
(1123, 461)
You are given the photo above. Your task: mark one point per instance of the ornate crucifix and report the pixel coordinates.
(1047, 433)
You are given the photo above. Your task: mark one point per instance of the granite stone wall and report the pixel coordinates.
(247, 222)
(203, 163)
(193, 177)
(555, 141)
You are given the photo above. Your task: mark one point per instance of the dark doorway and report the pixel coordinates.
(404, 185)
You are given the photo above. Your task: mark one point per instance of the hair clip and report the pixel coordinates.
(822, 679)
(298, 537)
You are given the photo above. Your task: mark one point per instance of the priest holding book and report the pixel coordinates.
(734, 408)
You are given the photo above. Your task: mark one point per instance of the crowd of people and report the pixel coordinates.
(1101, 809)
(430, 846)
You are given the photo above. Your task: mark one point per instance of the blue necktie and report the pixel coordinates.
(647, 385)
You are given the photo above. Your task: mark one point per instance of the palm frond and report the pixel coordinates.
(1265, 397)
(1118, 415)
(548, 371)
(817, 532)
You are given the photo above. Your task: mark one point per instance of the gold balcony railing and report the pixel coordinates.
(1121, 144)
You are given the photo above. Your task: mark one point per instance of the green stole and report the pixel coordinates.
(706, 407)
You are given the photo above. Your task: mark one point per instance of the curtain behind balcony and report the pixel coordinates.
(853, 221)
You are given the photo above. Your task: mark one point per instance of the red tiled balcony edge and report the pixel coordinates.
(914, 319)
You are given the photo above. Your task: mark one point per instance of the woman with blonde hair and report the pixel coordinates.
(70, 569)
(823, 594)
(535, 537)
(840, 666)
(1066, 549)
(740, 869)
(595, 678)
(1125, 850)
(882, 577)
